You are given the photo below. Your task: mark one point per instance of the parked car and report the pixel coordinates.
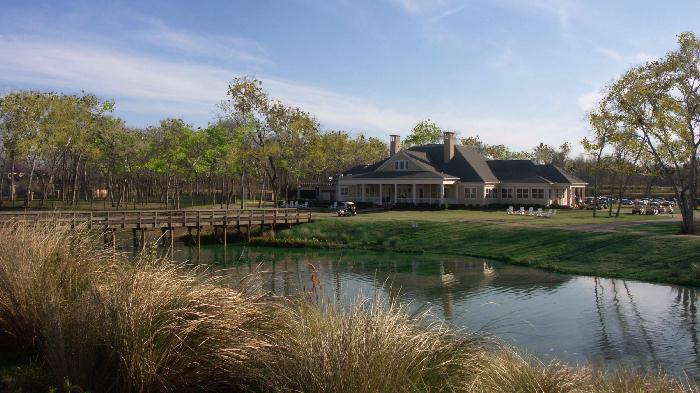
(638, 208)
(654, 208)
(346, 209)
(666, 207)
(627, 202)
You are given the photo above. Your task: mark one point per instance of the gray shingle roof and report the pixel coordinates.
(556, 174)
(468, 165)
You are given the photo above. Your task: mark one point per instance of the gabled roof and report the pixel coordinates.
(516, 171)
(467, 165)
(556, 174)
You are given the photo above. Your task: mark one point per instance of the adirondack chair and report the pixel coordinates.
(539, 212)
(531, 211)
(510, 210)
(550, 213)
(521, 211)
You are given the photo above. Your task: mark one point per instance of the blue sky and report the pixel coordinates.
(516, 72)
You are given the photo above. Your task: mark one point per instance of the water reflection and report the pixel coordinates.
(606, 322)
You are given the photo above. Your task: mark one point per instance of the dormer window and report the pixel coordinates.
(400, 164)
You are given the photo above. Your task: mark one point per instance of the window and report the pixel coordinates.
(470, 192)
(522, 193)
(344, 191)
(506, 193)
(560, 194)
(538, 193)
(490, 193)
(400, 164)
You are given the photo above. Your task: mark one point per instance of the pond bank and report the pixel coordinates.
(649, 253)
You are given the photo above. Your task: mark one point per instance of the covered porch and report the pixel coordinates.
(387, 192)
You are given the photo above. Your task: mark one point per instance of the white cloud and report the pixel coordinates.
(419, 6)
(589, 100)
(504, 59)
(145, 84)
(228, 47)
(625, 58)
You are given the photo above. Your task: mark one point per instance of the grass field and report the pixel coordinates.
(634, 247)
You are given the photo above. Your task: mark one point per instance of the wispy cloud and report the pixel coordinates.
(156, 32)
(626, 58)
(504, 59)
(420, 6)
(148, 84)
(587, 101)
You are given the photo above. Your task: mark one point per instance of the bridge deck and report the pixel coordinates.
(168, 219)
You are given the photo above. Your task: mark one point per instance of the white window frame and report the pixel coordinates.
(400, 165)
(506, 193)
(469, 192)
(490, 193)
(522, 193)
(540, 191)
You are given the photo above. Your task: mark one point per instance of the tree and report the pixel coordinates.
(24, 117)
(423, 133)
(660, 103)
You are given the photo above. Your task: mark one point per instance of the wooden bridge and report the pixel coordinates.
(165, 220)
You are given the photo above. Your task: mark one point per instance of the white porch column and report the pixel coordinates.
(414, 192)
(362, 192)
(380, 194)
(442, 193)
(396, 193)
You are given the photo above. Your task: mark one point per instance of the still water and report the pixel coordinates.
(604, 322)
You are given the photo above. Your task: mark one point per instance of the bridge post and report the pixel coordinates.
(135, 239)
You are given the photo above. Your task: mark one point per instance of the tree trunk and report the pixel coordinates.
(75, 181)
(29, 183)
(686, 205)
(12, 181)
(242, 189)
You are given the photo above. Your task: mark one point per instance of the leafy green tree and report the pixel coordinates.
(423, 133)
(660, 103)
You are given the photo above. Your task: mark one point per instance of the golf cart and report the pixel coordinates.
(346, 209)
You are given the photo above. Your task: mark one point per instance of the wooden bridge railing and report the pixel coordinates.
(145, 219)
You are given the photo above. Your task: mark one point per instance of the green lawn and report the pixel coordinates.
(563, 217)
(572, 242)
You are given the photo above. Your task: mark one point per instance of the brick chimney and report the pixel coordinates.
(394, 144)
(449, 146)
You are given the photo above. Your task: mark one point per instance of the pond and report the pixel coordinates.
(579, 320)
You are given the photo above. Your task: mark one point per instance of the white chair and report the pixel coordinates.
(510, 210)
(521, 211)
(306, 205)
(334, 205)
(531, 211)
(539, 212)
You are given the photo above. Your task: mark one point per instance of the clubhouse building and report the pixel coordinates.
(456, 175)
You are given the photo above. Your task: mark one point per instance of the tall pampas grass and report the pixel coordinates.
(372, 346)
(107, 322)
